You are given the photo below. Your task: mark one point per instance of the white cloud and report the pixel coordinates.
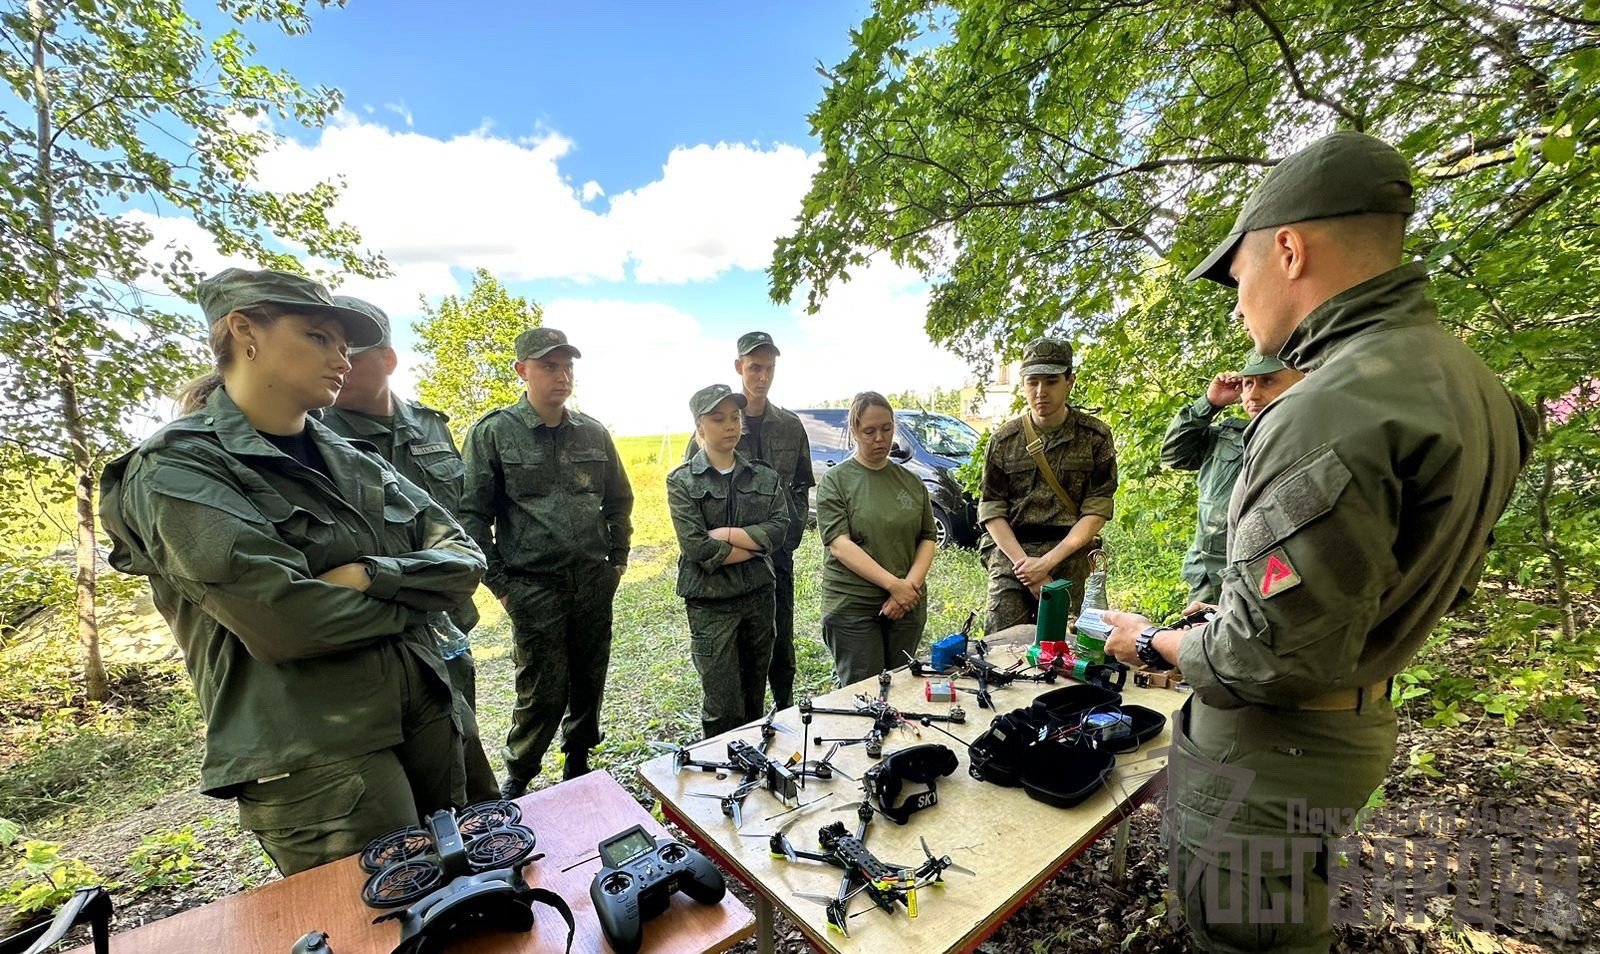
(592, 190)
(714, 208)
(403, 111)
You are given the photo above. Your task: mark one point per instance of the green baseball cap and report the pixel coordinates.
(538, 342)
(1260, 364)
(235, 288)
(1047, 355)
(371, 311)
(707, 398)
(756, 339)
(1345, 173)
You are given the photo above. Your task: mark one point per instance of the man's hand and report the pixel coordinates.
(1225, 389)
(1196, 607)
(1125, 628)
(354, 575)
(1033, 571)
(1034, 588)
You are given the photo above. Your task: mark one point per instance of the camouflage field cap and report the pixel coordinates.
(1260, 364)
(538, 342)
(1047, 355)
(371, 311)
(756, 339)
(1345, 173)
(235, 288)
(707, 398)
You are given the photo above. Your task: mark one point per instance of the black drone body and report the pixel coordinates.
(756, 769)
(885, 717)
(888, 885)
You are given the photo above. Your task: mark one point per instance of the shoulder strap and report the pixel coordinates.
(1035, 449)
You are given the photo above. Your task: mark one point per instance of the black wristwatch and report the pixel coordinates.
(1144, 645)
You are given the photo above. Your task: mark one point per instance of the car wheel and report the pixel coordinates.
(941, 529)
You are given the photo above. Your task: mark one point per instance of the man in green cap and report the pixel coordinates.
(775, 437)
(548, 501)
(1363, 515)
(414, 440)
(730, 512)
(1049, 476)
(1198, 440)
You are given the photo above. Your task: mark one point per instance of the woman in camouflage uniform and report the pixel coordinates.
(729, 512)
(298, 576)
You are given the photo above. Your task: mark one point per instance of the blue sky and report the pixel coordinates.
(627, 165)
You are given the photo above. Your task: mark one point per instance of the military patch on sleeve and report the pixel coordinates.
(1272, 574)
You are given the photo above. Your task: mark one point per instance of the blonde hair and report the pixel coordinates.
(864, 400)
(194, 394)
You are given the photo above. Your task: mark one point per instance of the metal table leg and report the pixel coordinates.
(1119, 853)
(764, 928)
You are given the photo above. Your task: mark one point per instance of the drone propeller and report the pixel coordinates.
(680, 755)
(944, 862)
(821, 899)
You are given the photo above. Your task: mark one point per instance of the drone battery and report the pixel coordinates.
(939, 690)
(946, 650)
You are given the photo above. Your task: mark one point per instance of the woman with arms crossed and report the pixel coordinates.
(300, 578)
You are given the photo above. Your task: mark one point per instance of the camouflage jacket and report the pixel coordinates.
(1196, 440)
(785, 448)
(700, 500)
(1080, 452)
(548, 503)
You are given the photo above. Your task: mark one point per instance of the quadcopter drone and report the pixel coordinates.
(885, 717)
(407, 865)
(783, 779)
(887, 884)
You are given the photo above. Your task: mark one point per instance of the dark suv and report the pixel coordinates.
(931, 446)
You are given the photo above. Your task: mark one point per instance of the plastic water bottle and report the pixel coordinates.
(451, 640)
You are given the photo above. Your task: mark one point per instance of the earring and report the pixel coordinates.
(250, 353)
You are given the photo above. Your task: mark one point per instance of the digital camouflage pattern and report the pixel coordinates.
(700, 499)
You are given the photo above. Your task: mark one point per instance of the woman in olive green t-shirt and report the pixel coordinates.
(876, 522)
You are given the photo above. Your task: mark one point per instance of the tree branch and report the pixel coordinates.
(1359, 122)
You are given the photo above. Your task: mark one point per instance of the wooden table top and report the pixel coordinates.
(569, 821)
(1011, 841)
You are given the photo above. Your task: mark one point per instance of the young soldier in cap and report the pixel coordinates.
(547, 499)
(1048, 481)
(729, 512)
(1365, 508)
(1198, 441)
(414, 440)
(777, 438)
(291, 568)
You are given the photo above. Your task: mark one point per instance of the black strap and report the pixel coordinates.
(547, 897)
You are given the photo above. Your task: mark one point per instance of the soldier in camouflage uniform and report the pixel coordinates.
(297, 574)
(728, 512)
(1032, 535)
(1363, 514)
(547, 499)
(775, 437)
(414, 440)
(1197, 441)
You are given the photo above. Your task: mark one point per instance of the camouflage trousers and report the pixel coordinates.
(1245, 881)
(561, 646)
(865, 645)
(321, 814)
(730, 642)
(781, 674)
(1010, 602)
(481, 784)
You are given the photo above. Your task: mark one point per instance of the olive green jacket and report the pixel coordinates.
(551, 504)
(700, 500)
(785, 448)
(1367, 503)
(415, 442)
(289, 671)
(1196, 441)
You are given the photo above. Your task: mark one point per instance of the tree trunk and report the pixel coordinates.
(1547, 536)
(94, 668)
